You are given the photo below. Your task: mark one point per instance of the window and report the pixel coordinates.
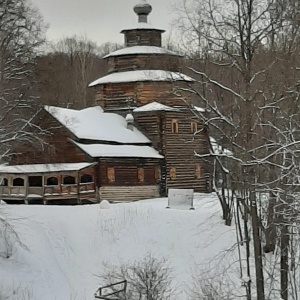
(69, 180)
(198, 171)
(173, 173)
(52, 181)
(194, 127)
(18, 182)
(111, 174)
(174, 126)
(35, 181)
(157, 174)
(141, 175)
(3, 182)
(86, 178)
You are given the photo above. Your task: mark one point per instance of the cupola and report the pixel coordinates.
(143, 33)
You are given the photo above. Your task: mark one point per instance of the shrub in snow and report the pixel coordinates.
(8, 239)
(148, 279)
(104, 204)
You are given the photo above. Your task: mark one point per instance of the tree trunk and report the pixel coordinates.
(257, 248)
(284, 263)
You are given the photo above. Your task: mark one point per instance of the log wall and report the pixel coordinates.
(144, 62)
(115, 96)
(142, 37)
(51, 144)
(178, 148)
(128, 193)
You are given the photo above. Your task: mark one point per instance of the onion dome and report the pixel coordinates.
(142, 9)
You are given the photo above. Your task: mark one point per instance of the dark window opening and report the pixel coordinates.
(194, 127)
(141, 175)
(198, 171)
(111, 174)
(36, 181)
(18, 182)
(52, 181)
(86, 178)
(69, 180)
(3, 182)
(174, 126)
(173, 173)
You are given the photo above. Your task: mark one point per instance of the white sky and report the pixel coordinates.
(100, 20)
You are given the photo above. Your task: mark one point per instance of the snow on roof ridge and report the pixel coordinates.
(141, 75)
(154, 106)
(142, 50)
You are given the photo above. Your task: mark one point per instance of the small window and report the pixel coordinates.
(86, 178)
(111, 174)
(198, 171)
(69, 180)
(173, 173)
(18, 182)
(141, 175)
(3, 182)
(174, 126)
(52, 181)
(35, 181)
(157, 174)
(194, 127)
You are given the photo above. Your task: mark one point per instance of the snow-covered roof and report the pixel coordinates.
(141, 50)
(141, 26)
(141, 75)
(103, 150)
(94, 124)
(43, 168)
(154, 106)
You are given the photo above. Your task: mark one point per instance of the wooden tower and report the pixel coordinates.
(147, 80)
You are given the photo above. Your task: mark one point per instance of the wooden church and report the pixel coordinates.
(138, 142)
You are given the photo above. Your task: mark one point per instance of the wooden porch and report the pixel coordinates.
(61, 184)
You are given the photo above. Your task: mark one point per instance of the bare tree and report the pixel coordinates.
(21, 35)
(249, 83)
(149, 279)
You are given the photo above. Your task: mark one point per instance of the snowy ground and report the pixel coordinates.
(67, 245)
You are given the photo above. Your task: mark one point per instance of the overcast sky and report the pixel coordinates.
(100, 20)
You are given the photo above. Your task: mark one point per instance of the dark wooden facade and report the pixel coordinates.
(178, 136)
(139, 178)
(143, 37)
(176, 133)
(133, 62)
(134, 178)
(114, 96)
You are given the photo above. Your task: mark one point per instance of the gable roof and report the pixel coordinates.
(141, 75)
(94, 124)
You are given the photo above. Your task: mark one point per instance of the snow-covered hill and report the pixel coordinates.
(67, 245)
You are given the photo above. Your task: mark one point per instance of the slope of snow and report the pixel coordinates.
(94, 124)
(68, 245)
(102, 150)
(141, 75)
(141, 50)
